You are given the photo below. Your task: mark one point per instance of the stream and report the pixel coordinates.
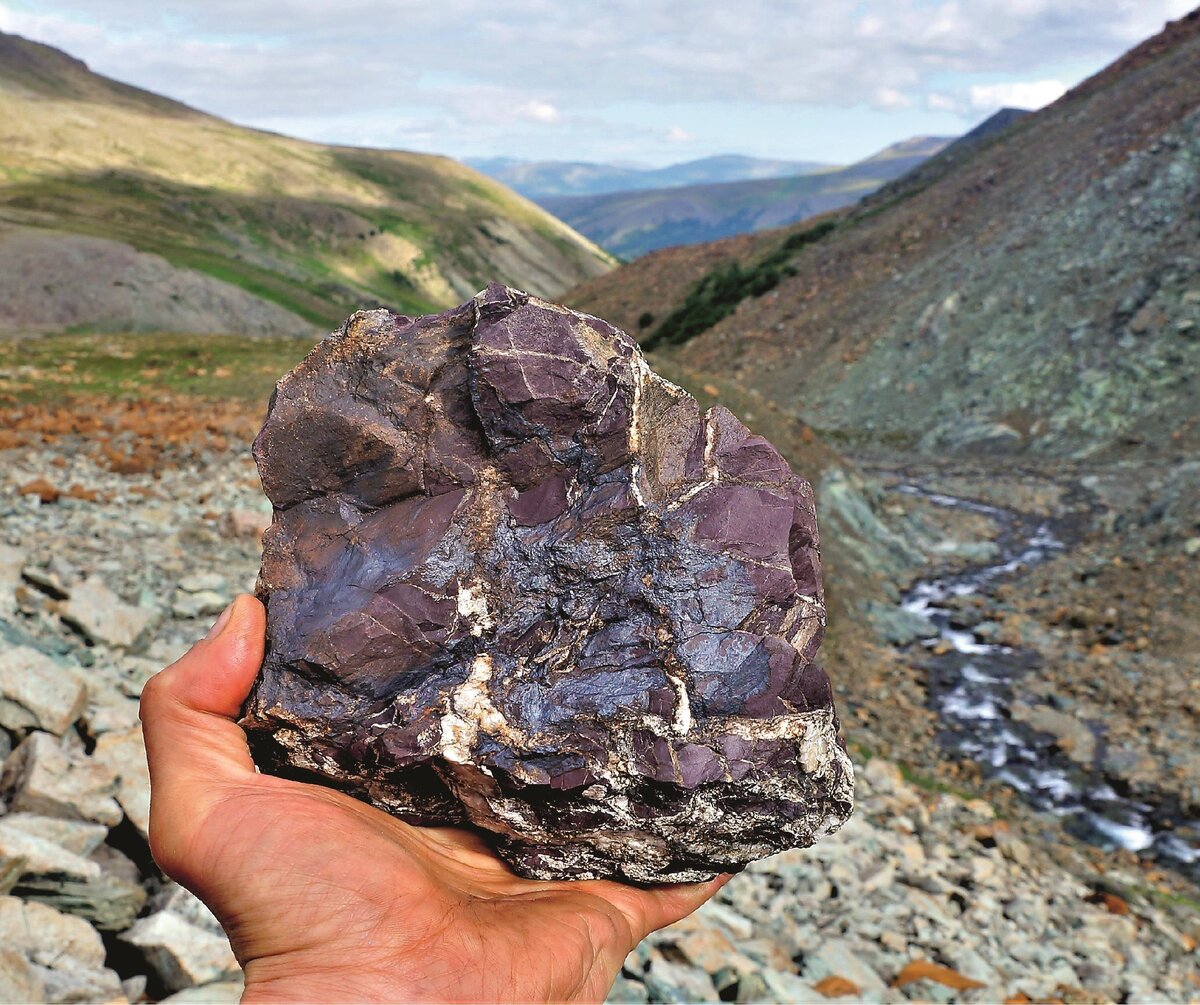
(973, 683)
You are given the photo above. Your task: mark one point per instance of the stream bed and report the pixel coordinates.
(973, 683)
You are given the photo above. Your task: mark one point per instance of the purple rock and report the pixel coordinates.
(517, 581)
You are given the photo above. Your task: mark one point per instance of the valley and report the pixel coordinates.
(986, 367)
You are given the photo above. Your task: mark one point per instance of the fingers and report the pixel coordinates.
(648, 910)
(215, 675)
(669, 904)
(194, 748)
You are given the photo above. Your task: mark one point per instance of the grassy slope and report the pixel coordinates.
(316, 229)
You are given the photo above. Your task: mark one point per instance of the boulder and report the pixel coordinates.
(518, 581)
(36, 692)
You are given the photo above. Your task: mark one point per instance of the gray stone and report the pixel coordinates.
(203, 604)
(1071, 733)
(11, 562)
(898, 626)
(182, 954)
(124, 754)
(68, 984)
(135, 987)
(43, 857)
(187, 905)
(75, 836)
(676, 982)
(41, 777)
(840, 958)
(36, 692)
(203, 582)
(737, 925)
(10, 872)
(627, 992)
(48, 937)
(777, 986)
(103, 617)
(109, 708)
(69, 882)
(217, 993)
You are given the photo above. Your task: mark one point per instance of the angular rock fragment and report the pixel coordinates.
(11, 561)
(42, 777)
(182, 954)
(518, 581)
(103, 617)
(67, 881)
(37, 693)
(124, 754)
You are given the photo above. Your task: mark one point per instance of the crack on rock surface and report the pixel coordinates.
(517, 581)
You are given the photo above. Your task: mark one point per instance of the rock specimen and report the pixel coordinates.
(516, 580)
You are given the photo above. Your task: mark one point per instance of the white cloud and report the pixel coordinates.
(678, 135)
(539, 111)
(1031, 94)
(500, 71)
(890, 97)
(938, 102)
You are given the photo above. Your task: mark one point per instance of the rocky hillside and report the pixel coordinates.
(120, 209)
(634, 223)
(125, 526)
(1037, 291)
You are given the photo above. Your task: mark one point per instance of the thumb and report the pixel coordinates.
(195, 749)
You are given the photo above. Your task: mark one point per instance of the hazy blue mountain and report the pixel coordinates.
(537, 179)
(632, 223)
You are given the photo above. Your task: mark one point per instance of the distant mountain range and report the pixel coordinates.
(538, 179)
(633, 223)
(124, 210)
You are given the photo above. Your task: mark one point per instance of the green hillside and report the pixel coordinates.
(252, 231)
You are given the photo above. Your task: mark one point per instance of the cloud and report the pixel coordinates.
(539, 111)
(677, 134)
(1031, 94)
(938, 102)
(496, 71)
(890, 97)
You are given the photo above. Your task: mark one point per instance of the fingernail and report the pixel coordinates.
(220, 623)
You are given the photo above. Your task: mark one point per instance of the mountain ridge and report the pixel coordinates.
(634, 223)
(288, 234)
(538, 179)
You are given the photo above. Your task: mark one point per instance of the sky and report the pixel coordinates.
(640, 81)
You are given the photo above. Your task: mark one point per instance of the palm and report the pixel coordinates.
(325, 897)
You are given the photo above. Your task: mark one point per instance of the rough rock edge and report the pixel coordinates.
(468, 712)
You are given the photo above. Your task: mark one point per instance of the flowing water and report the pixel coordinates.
(972, 686)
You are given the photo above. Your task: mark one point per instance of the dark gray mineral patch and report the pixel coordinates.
(517, 581)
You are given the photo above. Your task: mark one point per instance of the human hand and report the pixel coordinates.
(326, 898)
